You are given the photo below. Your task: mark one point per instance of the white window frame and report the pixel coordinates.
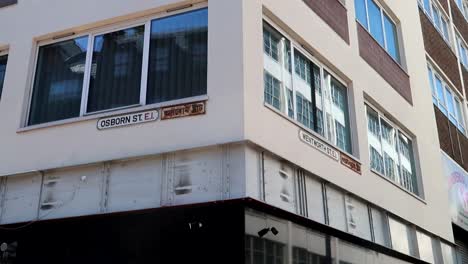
(91, 34)
(297, 46)
(461, 43)
(442, 18)
(368, 28)
(417, 188)
(443, 102)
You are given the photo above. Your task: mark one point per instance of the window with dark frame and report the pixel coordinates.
(104, 72)
(3, 65)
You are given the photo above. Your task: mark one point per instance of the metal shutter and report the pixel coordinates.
(462, 251)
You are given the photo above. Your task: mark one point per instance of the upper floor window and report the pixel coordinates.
(3, 65)
(462, 52)
(391, 151)
(380, 25)
(463, 6)
(437, 17)
(103, 72)
(305, 91)
(446, 99)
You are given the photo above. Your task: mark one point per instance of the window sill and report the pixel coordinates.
(312, 132)
(110, 113)
(398, 186)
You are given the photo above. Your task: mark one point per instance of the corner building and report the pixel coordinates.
(234, 131)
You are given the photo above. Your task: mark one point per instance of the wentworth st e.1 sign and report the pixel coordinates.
(128, 119)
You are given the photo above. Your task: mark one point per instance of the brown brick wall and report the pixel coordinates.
(464, 149)
(459, 20)
(333, 13)
(444, 132)
(455, 143)
(378, 58)
(4, 3)
(439, 50)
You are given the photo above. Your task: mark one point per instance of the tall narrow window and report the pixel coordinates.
(361, 14)
(116, 69)
(58, 81)
(304, 91)
(375, 21)
(178, 57)
(3, 64)
(391, 151)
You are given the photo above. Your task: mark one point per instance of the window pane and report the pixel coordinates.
(392, 39)
(303, 88)
(361, 15)
(375, 21)
(339, 112)
(272, 91)
(178, 57)
(389, 148)
(58, 81)
(427, 6)
(271, 44)
(431, 83)
(116, 69)
(407, 166)
(440, 95)
(436, 16)
(445, 29)
(425, 247)
(399, 234)
(3, 64)
(450, 106)
(461, 119)
(375, 147)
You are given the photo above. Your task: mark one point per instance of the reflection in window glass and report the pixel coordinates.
(178, 57)
(58, 81)
(391, 38)
(263, 251)
(272, 91)
(116, 74)
(361, 15)
(375, 147)
(3, 64)
(375, 21)
(448, 254)
(426, 252)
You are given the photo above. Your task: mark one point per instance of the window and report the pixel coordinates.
(437, 17)
(305, 91)
(463, 7)
(303, 256)
(103, 72)
(391, 151)
(446, 100)
(3, 64)
(263, 251)
(380, 25)
(463, 52)
(426, 251)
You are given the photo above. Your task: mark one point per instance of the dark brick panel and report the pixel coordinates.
(439, 50)
(455, 143)
(333, 13)
(459, 20)
(4, 3)
(378, 58)
(444, 132)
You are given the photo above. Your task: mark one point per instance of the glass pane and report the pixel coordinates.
(440, 95)
(3, 64)
(178, 57)
(271, 44)
(431, 83)
(436, 16)
(375, 147)
(392, 38)
(448, 254)
(339, 112)
(116, 69)
(361, 15)
(303, 89)
(58, 81)
(408, 171)
(375, 22)
(461, 119)
(450, 106)
(389, 136)
(272, 91)
(445, 29)
(427, 6)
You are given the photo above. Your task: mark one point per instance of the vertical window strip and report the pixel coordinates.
(3, 65)
(299, 93)
(437, 17)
